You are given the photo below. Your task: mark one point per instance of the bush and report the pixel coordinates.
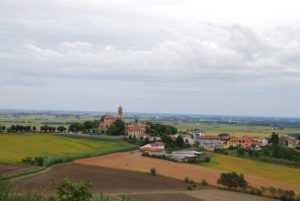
(207, 159)
(233, 180)
(186, 180)
(69, 191)
(153, 171)
(190, 188)
(204, 182)
(39, 161)
(27, 160)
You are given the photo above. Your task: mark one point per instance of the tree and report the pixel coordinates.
(61, 128)
(241, 151)
(116, 128)
(274, 139)
(179, 141)
(34, 128)
(233, 180)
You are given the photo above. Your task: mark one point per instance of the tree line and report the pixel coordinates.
(27, 128)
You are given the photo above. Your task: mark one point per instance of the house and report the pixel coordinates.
(174, 137)
(136, 132)
(198, 133)
(250, 143)
(156, 148)
(229, 141)
(154, 139)
(209, 142)
(188, 139)
(265, 141)
(185, 156)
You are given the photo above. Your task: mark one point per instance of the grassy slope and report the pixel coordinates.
(256, 168)
(13, 148)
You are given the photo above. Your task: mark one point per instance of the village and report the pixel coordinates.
(197, 139)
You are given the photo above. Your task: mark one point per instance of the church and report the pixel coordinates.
(107, 120)
(131, 128)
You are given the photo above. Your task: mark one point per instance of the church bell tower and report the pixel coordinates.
(120, 112)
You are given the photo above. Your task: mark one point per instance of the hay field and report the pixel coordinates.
(15, 147)
(255, 168)
(127, 161)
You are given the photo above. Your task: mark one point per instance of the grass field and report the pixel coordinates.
(235, 130)
(255, 168)
(13, 148)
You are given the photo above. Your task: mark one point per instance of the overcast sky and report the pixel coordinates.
(228, 57)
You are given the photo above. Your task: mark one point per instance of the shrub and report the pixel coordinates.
(233, 180)
(207, 159)
(204, 182)
(27, 160)
(39, 161)
(186, 180)
(69, 191)
(190, 188)
(153, 171)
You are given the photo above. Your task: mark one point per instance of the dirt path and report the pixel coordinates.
(126, 161)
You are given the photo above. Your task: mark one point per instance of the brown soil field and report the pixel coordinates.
(162, 197)
(195, 195)
(6, 169)
(103, 179)
(127, 161)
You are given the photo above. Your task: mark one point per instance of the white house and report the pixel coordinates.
(198, 133)
(156, 148)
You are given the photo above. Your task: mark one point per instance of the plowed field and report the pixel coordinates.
(126, 161)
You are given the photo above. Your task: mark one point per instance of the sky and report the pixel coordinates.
(217, 57)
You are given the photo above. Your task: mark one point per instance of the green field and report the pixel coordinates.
(255, 168)
(15, 147)
(235, 130)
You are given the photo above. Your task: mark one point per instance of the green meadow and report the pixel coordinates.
(15, 147)
(255, 168)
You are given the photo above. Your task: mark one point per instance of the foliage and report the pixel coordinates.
(241, 151)
(179, 141)
(69, 191)
(158, 129)
(233, 180)
(204, 182)
(274, 139)
(85, 126)
(39, 161)
(207, 159)
(153, 171)
(116, 128)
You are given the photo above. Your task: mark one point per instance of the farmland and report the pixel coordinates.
(235, 130)
(15, 147)
(255, 168)
(126, 161)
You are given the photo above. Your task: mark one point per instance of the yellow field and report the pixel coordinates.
(13, 148)
(256, 168)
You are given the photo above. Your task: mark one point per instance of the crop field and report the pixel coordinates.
(127, 161)
(15, 147)
(236, 130)
(255, 168)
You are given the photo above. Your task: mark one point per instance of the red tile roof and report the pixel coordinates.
(209, 137)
